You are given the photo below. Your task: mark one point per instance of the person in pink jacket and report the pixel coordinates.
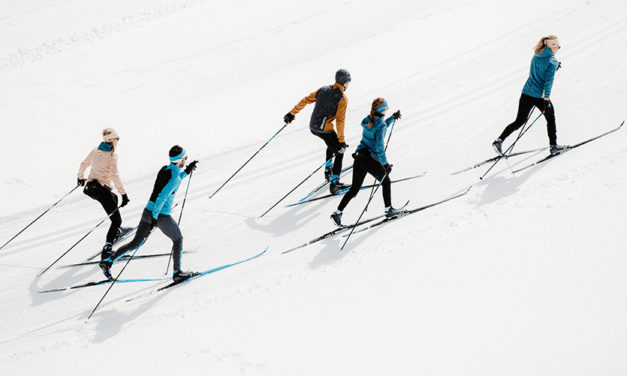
(98, 185)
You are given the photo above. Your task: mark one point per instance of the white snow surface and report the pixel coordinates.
(524, 275)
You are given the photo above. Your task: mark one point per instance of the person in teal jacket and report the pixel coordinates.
(370, 158)
(157, 214)
(537, 92)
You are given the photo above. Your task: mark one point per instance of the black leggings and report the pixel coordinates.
(364, 163)
(333, 148)
(525, 105)
(167, 225)
(109, 202)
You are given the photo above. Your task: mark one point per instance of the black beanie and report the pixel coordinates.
(342, 76)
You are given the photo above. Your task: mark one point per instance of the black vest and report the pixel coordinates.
(327, 100)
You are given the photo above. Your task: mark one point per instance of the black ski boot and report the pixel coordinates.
(337, 186)
(336, 216)
(105, 265)
(497, 145)
(107, 251)
(180, 276)
(556, 149)
(390, 212)
(122, 233)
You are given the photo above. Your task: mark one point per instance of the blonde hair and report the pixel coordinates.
(541, 45)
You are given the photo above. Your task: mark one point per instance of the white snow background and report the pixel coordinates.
(525, 275)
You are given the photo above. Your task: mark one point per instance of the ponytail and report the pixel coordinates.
(373, 110)
(541, 45)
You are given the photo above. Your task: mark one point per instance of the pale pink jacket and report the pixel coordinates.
(104, 169)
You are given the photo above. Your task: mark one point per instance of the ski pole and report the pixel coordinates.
(363, 211)
(299, 184)
(511, 147)
(41, 215)
(180, 216)
(80, 240)
(119, 274)
(249, 159)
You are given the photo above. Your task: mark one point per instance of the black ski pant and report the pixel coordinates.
(167, 225)
(525, 105)
(365, 163)
(109, 202)
(333, 148)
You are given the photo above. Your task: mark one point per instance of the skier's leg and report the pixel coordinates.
(375, 169)
(143, 229)
(109, 201)
(525, 104)
(551, 128)
(359, 174)
(171, 229)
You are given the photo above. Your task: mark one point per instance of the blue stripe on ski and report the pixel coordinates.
(104, 282)
(214, 270)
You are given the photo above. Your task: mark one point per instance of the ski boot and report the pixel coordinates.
(180, 276)
(105, 265)
(497, 145)
(390, 212)
(121, 233)
(336, 185)
(107, 251)
(336, 216)
(557, 149)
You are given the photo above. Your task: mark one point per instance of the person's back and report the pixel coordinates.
(541, 74)
(330, 107)
(373, 135)
(103, 175)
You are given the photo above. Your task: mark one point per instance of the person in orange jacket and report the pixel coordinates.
(330, 106)
(104, 171)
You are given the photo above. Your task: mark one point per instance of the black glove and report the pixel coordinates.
(153, 223)
(559, 65)
(288, 118)
(547, 105)
(397, 115)
(387, 168)
(81, 182)
(344, 146)
(190, 167)
(125, 200)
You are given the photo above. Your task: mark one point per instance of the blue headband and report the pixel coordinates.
(382, 107)
(178, 157)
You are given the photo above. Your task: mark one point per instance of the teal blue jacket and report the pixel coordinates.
(167, 183)
(541, 74)
(372, 138)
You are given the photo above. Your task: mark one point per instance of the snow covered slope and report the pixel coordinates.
(523, 275)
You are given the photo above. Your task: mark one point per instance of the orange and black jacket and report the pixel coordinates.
(330, 105)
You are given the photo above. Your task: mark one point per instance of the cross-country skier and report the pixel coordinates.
(330, 105)
(370, 158)
(104, 170)
(157, 214)
(536, 92)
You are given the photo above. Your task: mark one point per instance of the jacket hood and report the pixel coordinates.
(547, 53)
